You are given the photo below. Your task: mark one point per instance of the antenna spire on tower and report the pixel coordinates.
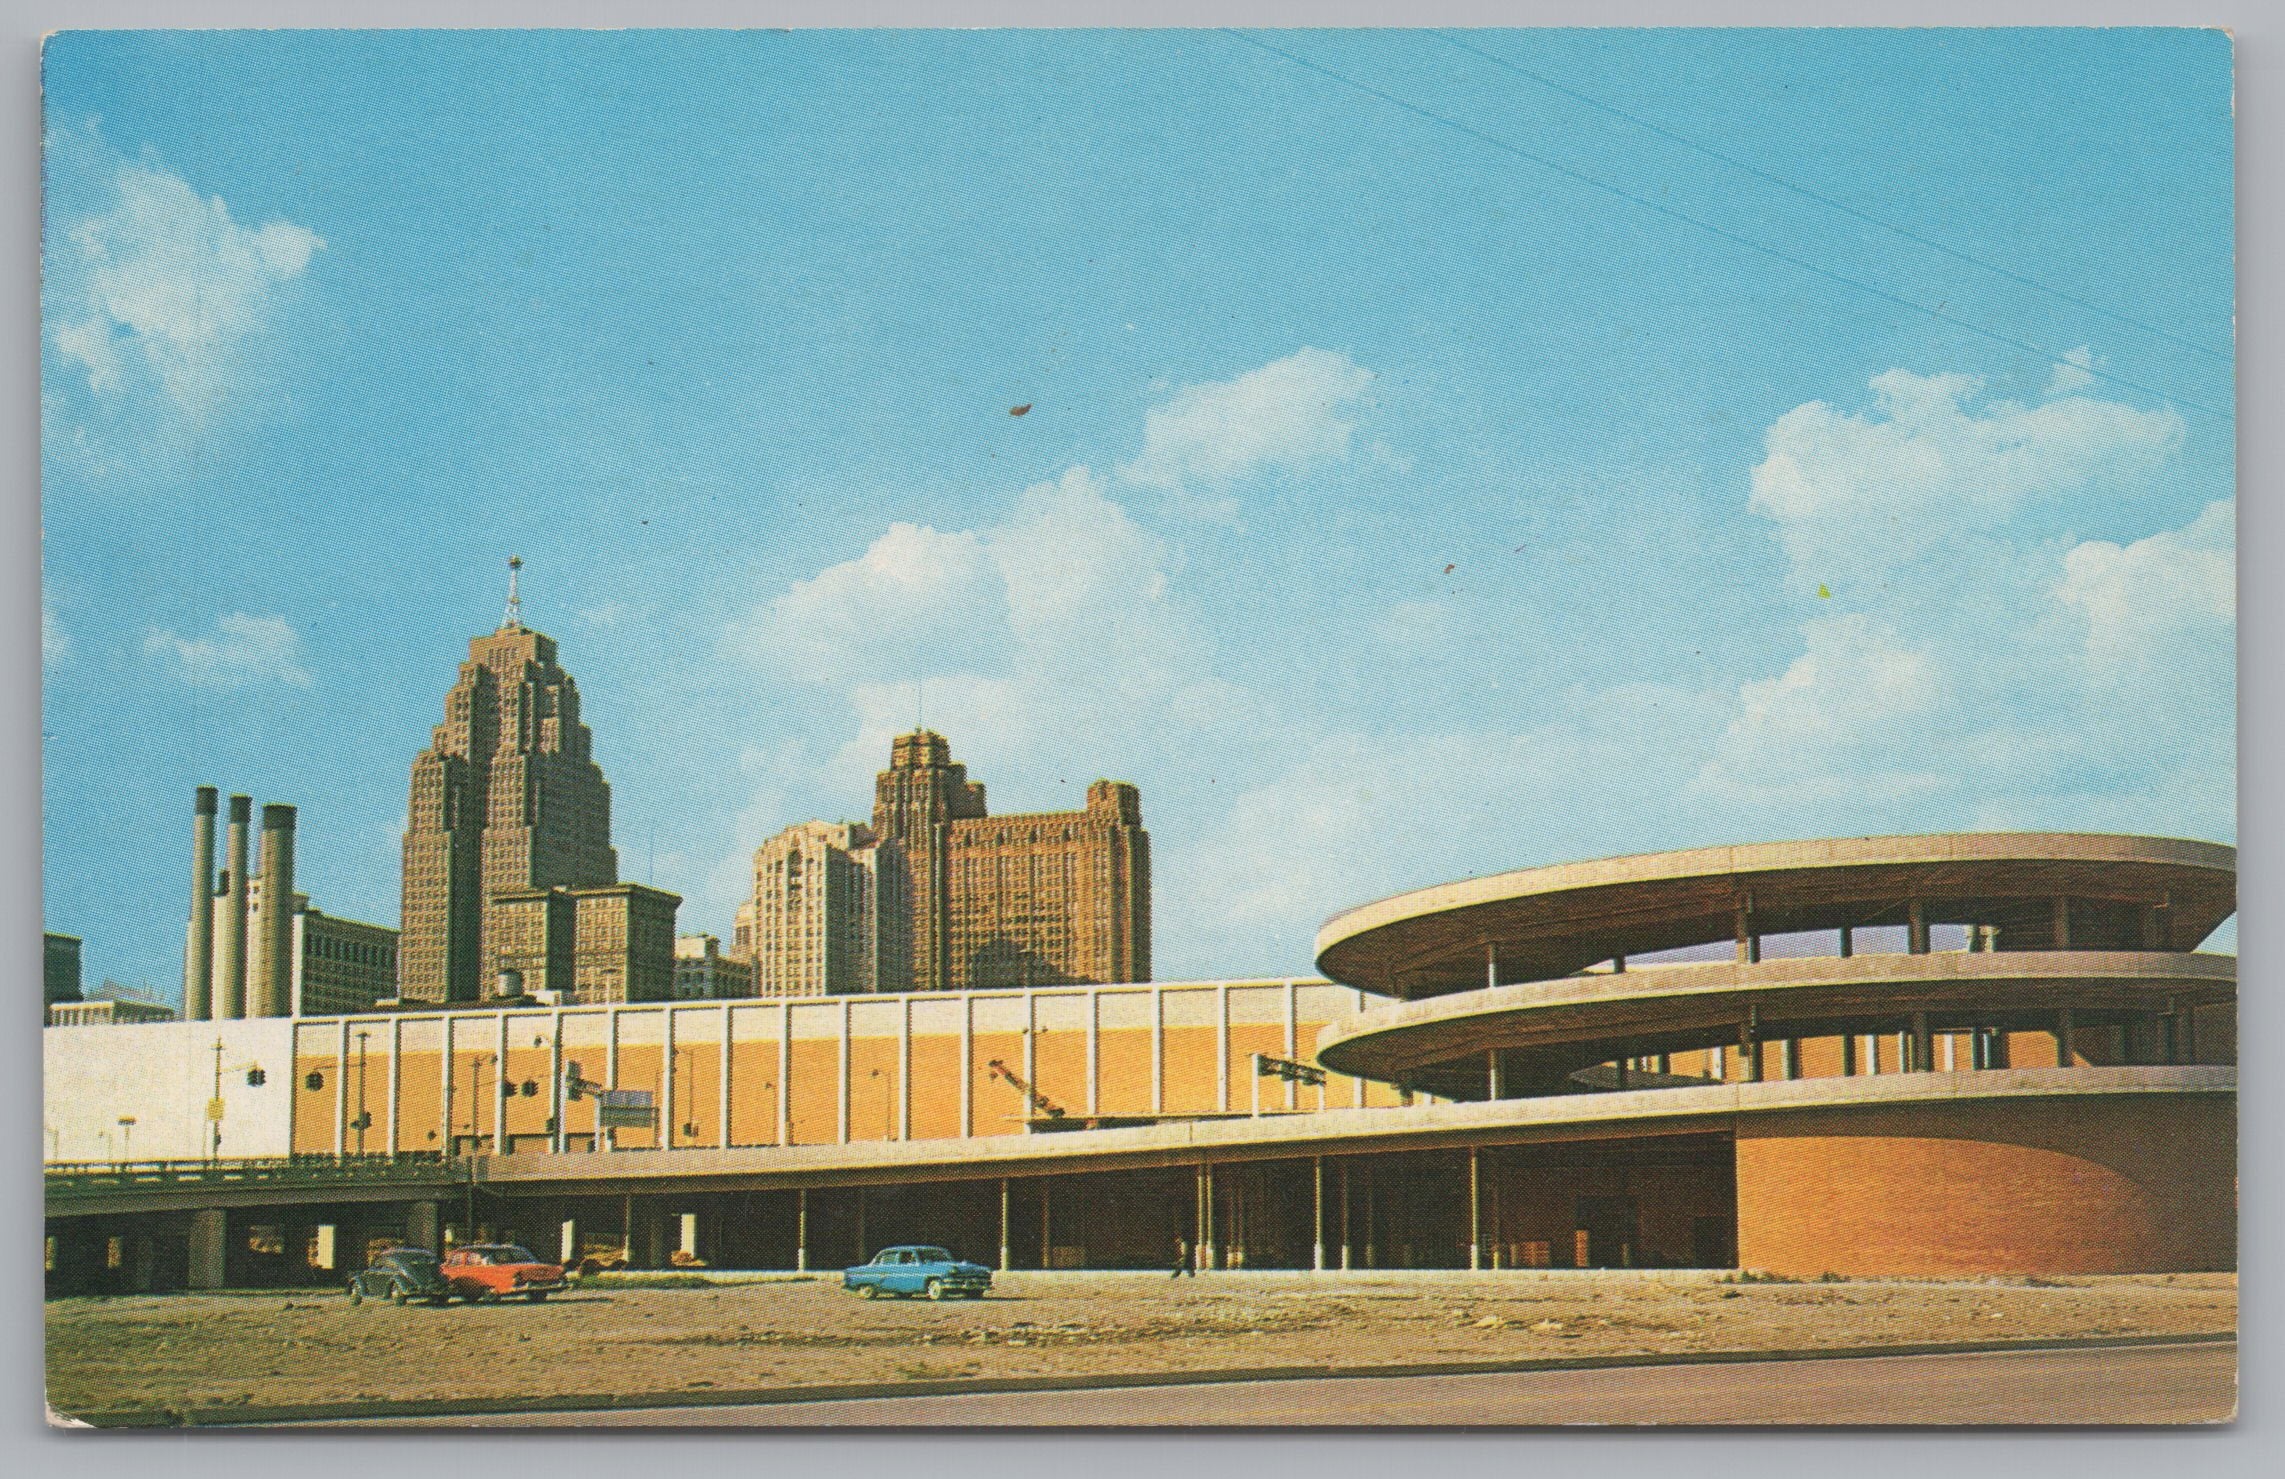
(515, 616)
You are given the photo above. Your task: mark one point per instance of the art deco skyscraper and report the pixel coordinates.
(1036, 899)
(506, 798)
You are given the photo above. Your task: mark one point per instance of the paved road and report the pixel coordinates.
(2146, 1384)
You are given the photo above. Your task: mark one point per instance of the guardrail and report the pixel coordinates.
(66, 1178)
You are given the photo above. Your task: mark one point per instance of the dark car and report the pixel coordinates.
(917, 1270)
(401, 1276)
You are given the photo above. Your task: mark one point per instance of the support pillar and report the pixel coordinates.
(1046, 1223)
(420, 1225)
(1749, 1050)
(1923, 1045)
(801, 1230)
(1491, 967)
(2187, 1035)
(1475, 1210)
(1916, 927)
(1494, 1087)
(1848, 1055)
(209, 1242)
(1004, 1265)
(1207, 1229)
(1317, 1208)
(1749, 943)
(1345, 1241)
(2062, 924)
(2064, 1056)
(1848, 941)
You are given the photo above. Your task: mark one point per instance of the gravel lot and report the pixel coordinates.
(216, 1350)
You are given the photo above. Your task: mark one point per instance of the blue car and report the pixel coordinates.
(917, 1270)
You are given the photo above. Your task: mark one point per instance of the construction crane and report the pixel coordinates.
(1037, 1100)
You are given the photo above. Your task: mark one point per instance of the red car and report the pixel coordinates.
(486, 1273)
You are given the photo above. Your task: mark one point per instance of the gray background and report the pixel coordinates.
(2252, 1446)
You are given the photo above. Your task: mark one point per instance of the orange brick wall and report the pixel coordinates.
(2120, 1184)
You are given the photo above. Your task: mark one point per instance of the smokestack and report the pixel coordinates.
(230, 949)
(198, 956)
(275, 985)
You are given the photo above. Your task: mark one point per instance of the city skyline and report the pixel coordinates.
(1387, 507)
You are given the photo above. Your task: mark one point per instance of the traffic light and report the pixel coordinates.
(255, 1078)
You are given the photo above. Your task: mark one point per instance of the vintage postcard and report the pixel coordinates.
(1139, 728)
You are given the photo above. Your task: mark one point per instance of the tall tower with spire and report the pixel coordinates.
(506, 798)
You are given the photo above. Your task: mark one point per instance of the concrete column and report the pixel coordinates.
(1094, 1044)
(2063, 1055)
(843, 1105)
(1491, 967)
(722, 1105)
(1789, 1057)
(1046, 1224)
(274, 978)
(1749, 948)
(567, 1244)
(1345, 1240)
(420, 1225)
(198, 950)
(1293, 1044)
(610, 1074)
(1749, 1051)
(340, 1090)
(1848, 941)
(1157, 1054)
(1317, 1210)
(396, 1057)
(785, 1076)
(801, 1230)
(1618, 965)
(1916, 927)
(1004, 1262)
(1848, 1055)
(500, 1081)
(1476, 1210)
(1206, 1216)
(1494, 1084)
(667, 1076)
(1222, 1045)
(209, 1245)
(2062, 923)
(230, 948)
(2186, 1037)
(1923, 1045)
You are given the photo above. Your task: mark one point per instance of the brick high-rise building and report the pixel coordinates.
(827, 916)
(1047, 898)
(506, 799)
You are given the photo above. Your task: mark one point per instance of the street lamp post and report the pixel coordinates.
(126, 1136)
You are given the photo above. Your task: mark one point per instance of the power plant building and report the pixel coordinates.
(1040, 899)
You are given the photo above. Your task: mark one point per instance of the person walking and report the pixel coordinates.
(1182, 1260)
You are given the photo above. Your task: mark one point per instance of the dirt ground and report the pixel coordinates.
(177, 1351)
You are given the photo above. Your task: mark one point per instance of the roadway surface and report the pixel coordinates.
(2187, 1383)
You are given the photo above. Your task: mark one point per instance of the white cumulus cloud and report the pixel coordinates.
(1844, 720)
(2152, 605)
(1856, 495)
(1285, 416)
(160, 289)
(243, 650)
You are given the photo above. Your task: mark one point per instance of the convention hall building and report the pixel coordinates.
(1978, 1053)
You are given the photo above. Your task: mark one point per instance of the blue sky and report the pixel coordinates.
(1391, 508)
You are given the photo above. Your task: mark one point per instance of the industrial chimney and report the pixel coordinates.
(274, 998)
(230, 952)
(198, 954)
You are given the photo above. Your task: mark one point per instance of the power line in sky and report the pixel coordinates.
(1937, 313)
(1825, 200)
